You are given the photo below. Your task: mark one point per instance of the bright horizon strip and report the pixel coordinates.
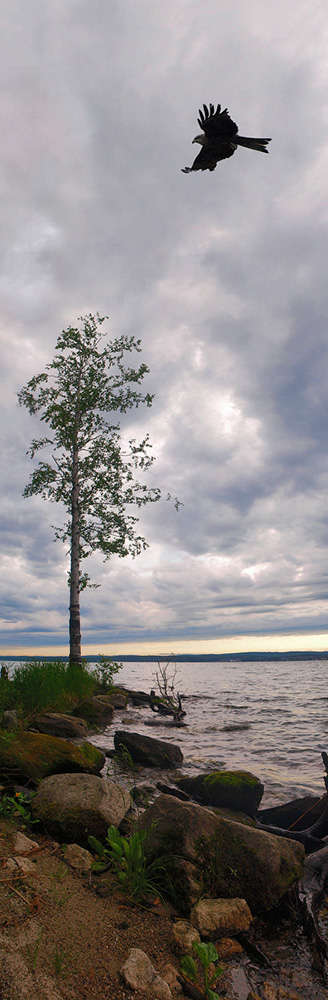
(301, 641)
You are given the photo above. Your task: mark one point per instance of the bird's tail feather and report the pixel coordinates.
(259, 144)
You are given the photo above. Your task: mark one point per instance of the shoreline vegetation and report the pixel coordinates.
(166, 871)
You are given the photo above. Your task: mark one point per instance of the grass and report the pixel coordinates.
(53, 686)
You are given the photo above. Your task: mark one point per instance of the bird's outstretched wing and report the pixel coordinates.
(215, 123)
(207, 159)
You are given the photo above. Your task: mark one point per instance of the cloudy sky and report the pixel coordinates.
(222, 275)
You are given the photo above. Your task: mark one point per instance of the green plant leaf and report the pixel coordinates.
(206, 952)
(188, 967)
(216, 975)
(211, 995)
(96, 846)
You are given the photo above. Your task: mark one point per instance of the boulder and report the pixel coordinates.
(56, 724)
(214, 918)
(210, 855)
(148, 751)
(237, 790)
(73, 806)
(97, 711)
(27, 757)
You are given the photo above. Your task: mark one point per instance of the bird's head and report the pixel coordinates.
(200, 138)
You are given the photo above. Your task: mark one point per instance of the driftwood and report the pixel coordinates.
(313, 837)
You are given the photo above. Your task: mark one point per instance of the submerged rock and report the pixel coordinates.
(237, 790)
(148, 751)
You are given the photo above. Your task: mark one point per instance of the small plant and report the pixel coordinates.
(33, 952)
(207, 954)
(105, 673)
(59, 956)
(18, 803)
(126, 858)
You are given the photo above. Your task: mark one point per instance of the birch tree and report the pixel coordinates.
(88, 470)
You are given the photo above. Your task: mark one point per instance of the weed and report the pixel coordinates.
(33, 951)
(206, 954)
(18, 803)
(59, 956)
(138, 876)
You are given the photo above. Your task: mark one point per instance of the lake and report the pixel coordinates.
(270, 718)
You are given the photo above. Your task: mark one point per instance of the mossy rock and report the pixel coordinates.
(27, 757)
(97, 711)
(237, 790)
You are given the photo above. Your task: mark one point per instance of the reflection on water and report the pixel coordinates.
(269, 718)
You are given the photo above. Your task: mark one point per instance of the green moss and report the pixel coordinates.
(234, 779)
(29, 757)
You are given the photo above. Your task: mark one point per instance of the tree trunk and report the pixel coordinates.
(74, 606)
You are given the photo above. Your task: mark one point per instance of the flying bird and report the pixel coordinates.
(220, 139)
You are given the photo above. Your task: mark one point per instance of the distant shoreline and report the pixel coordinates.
(185, 657)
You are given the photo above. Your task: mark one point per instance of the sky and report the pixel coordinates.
(223, 277)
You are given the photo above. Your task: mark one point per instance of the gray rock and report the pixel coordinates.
(9, 719)
(24, 844)
(209, 852)
(78, 858)
(73, 806)
(183, 935)
(139, 974)
(97, 711)
(215, 918)
(56, 724)
(148, 751)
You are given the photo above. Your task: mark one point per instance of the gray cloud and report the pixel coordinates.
(223, 276)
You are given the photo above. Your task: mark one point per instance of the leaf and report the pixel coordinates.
(97, 846)
(216, 975)
(206, 953)
(188, 967)
(211, 995)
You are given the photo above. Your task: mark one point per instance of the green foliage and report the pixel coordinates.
(207, 955)
(139, 877)
(86, 384)
(19, 803)
(105, 672)
(49, 686)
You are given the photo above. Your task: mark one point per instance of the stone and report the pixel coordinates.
(183, 935)
(78, 858)
(73, 806)
(23, 844)
(228, 948)
(26, 757)
(22, 865)
(98, 710)
(139, 974)
(237, 790)
(230, 859)
(215, 918)
(148, 751)
(57, 724)
(10, 719)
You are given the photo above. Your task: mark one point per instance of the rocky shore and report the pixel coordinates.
(227, 880)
